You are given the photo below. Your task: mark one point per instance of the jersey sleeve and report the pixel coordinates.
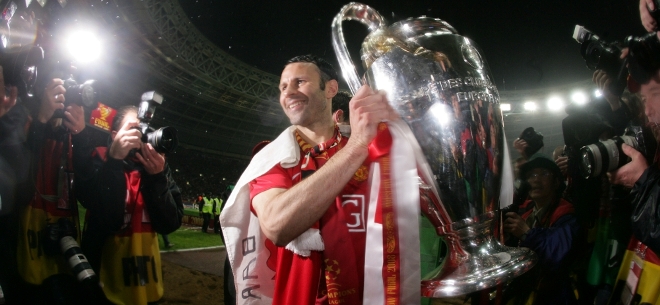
(276, 177)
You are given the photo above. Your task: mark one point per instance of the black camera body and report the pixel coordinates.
(642, 61)
(60, 239)
(601, 55)
(164, 139)
(534, 140)
(79, 94)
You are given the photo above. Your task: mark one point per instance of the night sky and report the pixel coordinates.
(528, 44)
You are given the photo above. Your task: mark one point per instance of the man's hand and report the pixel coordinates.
(562, 162)
(74, 118)
(152, 161)
(52, 99)
(127, 138)
(628, 174)
(603, 81)
(645, 8)
(515, 225)
(367, 109)
(7, 101)
(520, 145)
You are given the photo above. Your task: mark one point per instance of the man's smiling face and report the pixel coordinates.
(301, 96)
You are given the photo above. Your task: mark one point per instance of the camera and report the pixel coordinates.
(60, 238)
(602, 55)
(607, 155)
(642, 61)
(79, 94)
(164, 139)
(534, 140)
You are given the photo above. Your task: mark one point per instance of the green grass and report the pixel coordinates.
(190, 212)
(183, 238)
(187, 238)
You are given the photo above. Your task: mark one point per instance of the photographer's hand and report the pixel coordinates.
(628, 174)
(51, 100)
(520, 145)
(645, 8)
(124, 140)
(562, 162)
(515, 225)
(74, 118)
(603, 81)
(153, 162)
(7, 101)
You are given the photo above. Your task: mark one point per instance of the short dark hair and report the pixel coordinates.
(121, 114)
(326, 70)
(340, 101)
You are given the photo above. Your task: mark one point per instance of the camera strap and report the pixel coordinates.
(64, 185)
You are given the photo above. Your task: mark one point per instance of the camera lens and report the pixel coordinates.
(164, 140)
(604, 156)
(79, 264)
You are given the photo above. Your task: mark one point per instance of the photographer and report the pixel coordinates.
(546, 224)
(41, 263)
(12, 174)
(130, 196)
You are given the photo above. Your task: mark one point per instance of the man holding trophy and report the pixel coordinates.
(315, 214)
(309, 182)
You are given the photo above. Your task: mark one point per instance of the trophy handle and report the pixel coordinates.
(364, 14)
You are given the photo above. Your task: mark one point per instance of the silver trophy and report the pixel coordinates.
(439, 83)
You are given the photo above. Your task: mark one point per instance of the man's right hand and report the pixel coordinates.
(127, 138)
(520, 145)
(367, 109)
(562, 162)
(645, 8)
(52, 99)
(628, 174)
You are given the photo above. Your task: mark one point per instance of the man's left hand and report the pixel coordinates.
(153, 162)
(628, 174)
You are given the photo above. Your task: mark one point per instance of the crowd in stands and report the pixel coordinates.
(197, 172)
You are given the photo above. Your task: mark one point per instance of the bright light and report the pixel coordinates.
(598, 93)
(84, 46)
(579, 98)
(505, 107)
(555, 103)
(530, 106)
(441, 113)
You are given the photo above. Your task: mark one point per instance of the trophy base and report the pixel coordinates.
(475, 261)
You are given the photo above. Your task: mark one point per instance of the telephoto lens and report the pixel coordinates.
(605, 156)
(77, 261)
(72, 253)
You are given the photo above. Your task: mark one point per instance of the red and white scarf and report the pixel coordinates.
(395, 195)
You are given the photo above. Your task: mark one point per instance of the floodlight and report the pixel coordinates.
(530, 106)
(555, 103)
(505, 107)
(579, 98)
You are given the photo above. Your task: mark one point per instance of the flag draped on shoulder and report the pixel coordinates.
(392, 229)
